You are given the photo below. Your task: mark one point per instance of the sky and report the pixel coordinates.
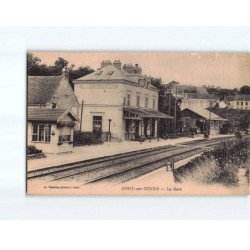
(226, 70)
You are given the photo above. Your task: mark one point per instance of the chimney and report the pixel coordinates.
(117, 64)
(64, 72)
(138, 69)
(131, 69)
(105, 63)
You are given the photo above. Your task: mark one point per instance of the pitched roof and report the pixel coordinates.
(111, 72)
(205, 114)
(48, 114)
(191, 89)
(41, 88)
(242, 98)
(199, 96)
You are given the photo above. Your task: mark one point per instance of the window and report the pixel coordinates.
(98, 73)
(246, 103)
(109, 73)
(97, 123)
(53, 105)
(238, 103)
(64, 134)
(41, 133)
(138, 100)
(146, 102)
(153, 103)
(212, 124)
(124, 100)
(241, 103)
(129, 99)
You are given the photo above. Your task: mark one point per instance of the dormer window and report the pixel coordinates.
(109, 73)
(98, 73)
(53, 105)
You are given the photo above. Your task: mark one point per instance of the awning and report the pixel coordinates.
(137, 114)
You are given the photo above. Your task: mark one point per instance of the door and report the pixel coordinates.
(97, 127)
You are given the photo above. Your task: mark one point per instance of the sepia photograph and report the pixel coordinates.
(137, 123)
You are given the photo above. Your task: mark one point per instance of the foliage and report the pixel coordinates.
(244, 122)
(34, 153)
(225, 129)
(219, 165)
(245, 90)
(87, 138)
(34, 68)
(33, 150)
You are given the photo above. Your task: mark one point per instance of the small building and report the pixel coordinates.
(119, 100)
(51, 92)
(193, 100)
(201, 120)
(52, 113)
(51, 130)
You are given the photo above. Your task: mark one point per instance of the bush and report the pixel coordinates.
(87, 138)
(225, 128)
(33, 150)
(219, 165)
(238, 135)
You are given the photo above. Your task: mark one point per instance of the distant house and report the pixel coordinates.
(201, 120)
(51, 92)
(238, 102)
(51, 130)
(52, 113)
(194, 97)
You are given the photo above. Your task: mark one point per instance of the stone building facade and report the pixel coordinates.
(119, 101)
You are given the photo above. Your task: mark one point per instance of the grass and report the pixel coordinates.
(218, 166)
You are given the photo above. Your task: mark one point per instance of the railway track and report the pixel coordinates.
(121, 167)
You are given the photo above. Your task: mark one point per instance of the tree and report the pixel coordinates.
(244, 122)
(166, 105)
(245, 90)
(35, 68)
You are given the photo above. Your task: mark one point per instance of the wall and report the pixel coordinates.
(234, 105)
(196, 103)
(143, 92)
(64, 97)
(107, 112)
(49, 147)
(95, 93)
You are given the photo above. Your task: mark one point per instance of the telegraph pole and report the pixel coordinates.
(175, 107)
(81, 116)
(209, 115)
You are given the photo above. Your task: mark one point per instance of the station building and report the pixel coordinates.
(119, 101)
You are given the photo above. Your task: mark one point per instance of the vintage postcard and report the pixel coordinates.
(138, 123)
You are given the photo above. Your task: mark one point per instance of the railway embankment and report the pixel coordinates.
(227, 164)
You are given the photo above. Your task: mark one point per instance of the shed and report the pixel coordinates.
(51, 130)
(201, 120)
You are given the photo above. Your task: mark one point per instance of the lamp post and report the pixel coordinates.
(109, 130)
